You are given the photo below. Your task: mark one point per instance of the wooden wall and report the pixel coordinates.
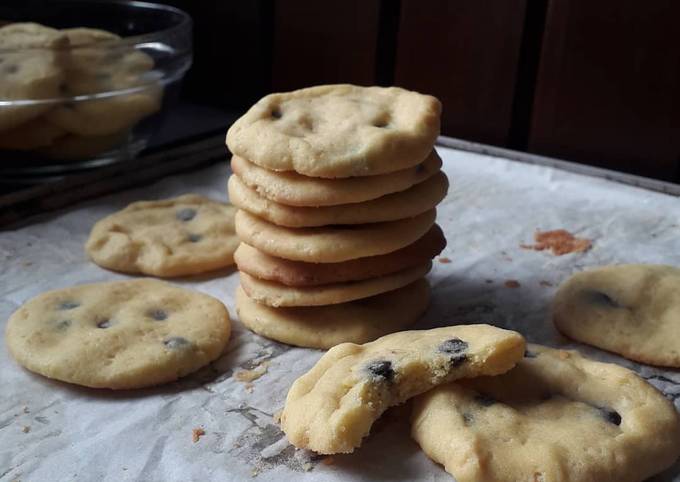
(593, 82)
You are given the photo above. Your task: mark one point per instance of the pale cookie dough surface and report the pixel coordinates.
(294, 189)
(338, 130)
(633, 310)
(29, 70)
(297, 273)
(557, 416)
(331, 408)
(185, 235)
(331, 244)
(126, 334)
(323, 327)
(275, 294)
(411, 202)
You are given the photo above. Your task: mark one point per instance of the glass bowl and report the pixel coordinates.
(89, 85)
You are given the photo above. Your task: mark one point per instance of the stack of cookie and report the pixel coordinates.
(336, 188)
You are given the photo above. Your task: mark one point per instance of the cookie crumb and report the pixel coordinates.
(276, 418)
(488, 281)
(27, 263)
(545, 283)
(254, 473)
(196, 434)
(444, 260)
(249, 387)
(252, 375)
(512, 283)
(328, 461)
(559, 241)
(26, 429)
(26, 410)
(307, 466)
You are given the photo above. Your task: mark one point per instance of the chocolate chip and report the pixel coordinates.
(68, 305)
(381, 124)
(62, 325)
(276, 114)
(456, 348)
(158, 315)
(195, 238)
(11, 69)
(467, 419)
(611, 416)
(105, 324)
(186, 214)
(530, 354)
(176, 342)
(602, 299)
(381, 369)
(420, 167)
(484, 400)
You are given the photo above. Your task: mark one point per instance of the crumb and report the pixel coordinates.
(444, 260)
(237, 445)
(488, 281)
(559, 241)
(276, 418)
(26, 410)
(251, 375)
(328, 461)
(512, 283)
(26, 429)
(307, 466)
(196, 434)
(27, 263)
(249, 387)
(545, 283)
(254, 473)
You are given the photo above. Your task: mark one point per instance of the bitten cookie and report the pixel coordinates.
(411, 202)
(555, 416)
(332, 407)
(338, 130)
(331, 244)
(357, 321)
(125, 334)
(633, 310)
(186, 235)
(297, 273)
(294, 189)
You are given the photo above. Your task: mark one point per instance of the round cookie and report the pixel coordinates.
(338, 130)
(119, 335)
(555, 416)
(29, 70)
(294, 189)
(400, 205)
(275, 294)
(185, 235)
(332, 407)
(322, 327)
(632, 310)
(331, 244)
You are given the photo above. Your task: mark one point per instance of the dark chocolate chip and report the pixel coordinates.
(530, 354)
(602, 299)
(176, 342)
(186, 214)
(276, 114)
(105, 324)
(484, 400)
(68, 305)
(456, 348)
(381, 369)
(420, 167)
(467, 419)
(63, 325)
(158, 315)
(195, 238)
(381, 124)
(611, 416)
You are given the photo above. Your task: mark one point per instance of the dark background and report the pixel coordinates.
(596, 82)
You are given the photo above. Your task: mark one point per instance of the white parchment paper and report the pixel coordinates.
(51, 431)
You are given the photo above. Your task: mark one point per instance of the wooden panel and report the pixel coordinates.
(320, 42)
(465, 52)
(607, 92)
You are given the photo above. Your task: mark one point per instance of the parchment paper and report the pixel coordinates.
(51, 431)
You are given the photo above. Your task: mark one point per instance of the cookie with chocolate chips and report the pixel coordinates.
(185, 235)
(555, 416)
(632, 310)
(332, 407)
(119, 335)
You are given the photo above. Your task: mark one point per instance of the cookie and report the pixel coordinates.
(185, 235)
(100, 62)
(30, 135)
(632, 310)
(124, 334)
(555, 416)
(293, 189)
(297, 273)
(331, 408)
(29, 70)
(415, 200)
(322, 327)
(338, 130)
(275, 294)
(331, 244)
